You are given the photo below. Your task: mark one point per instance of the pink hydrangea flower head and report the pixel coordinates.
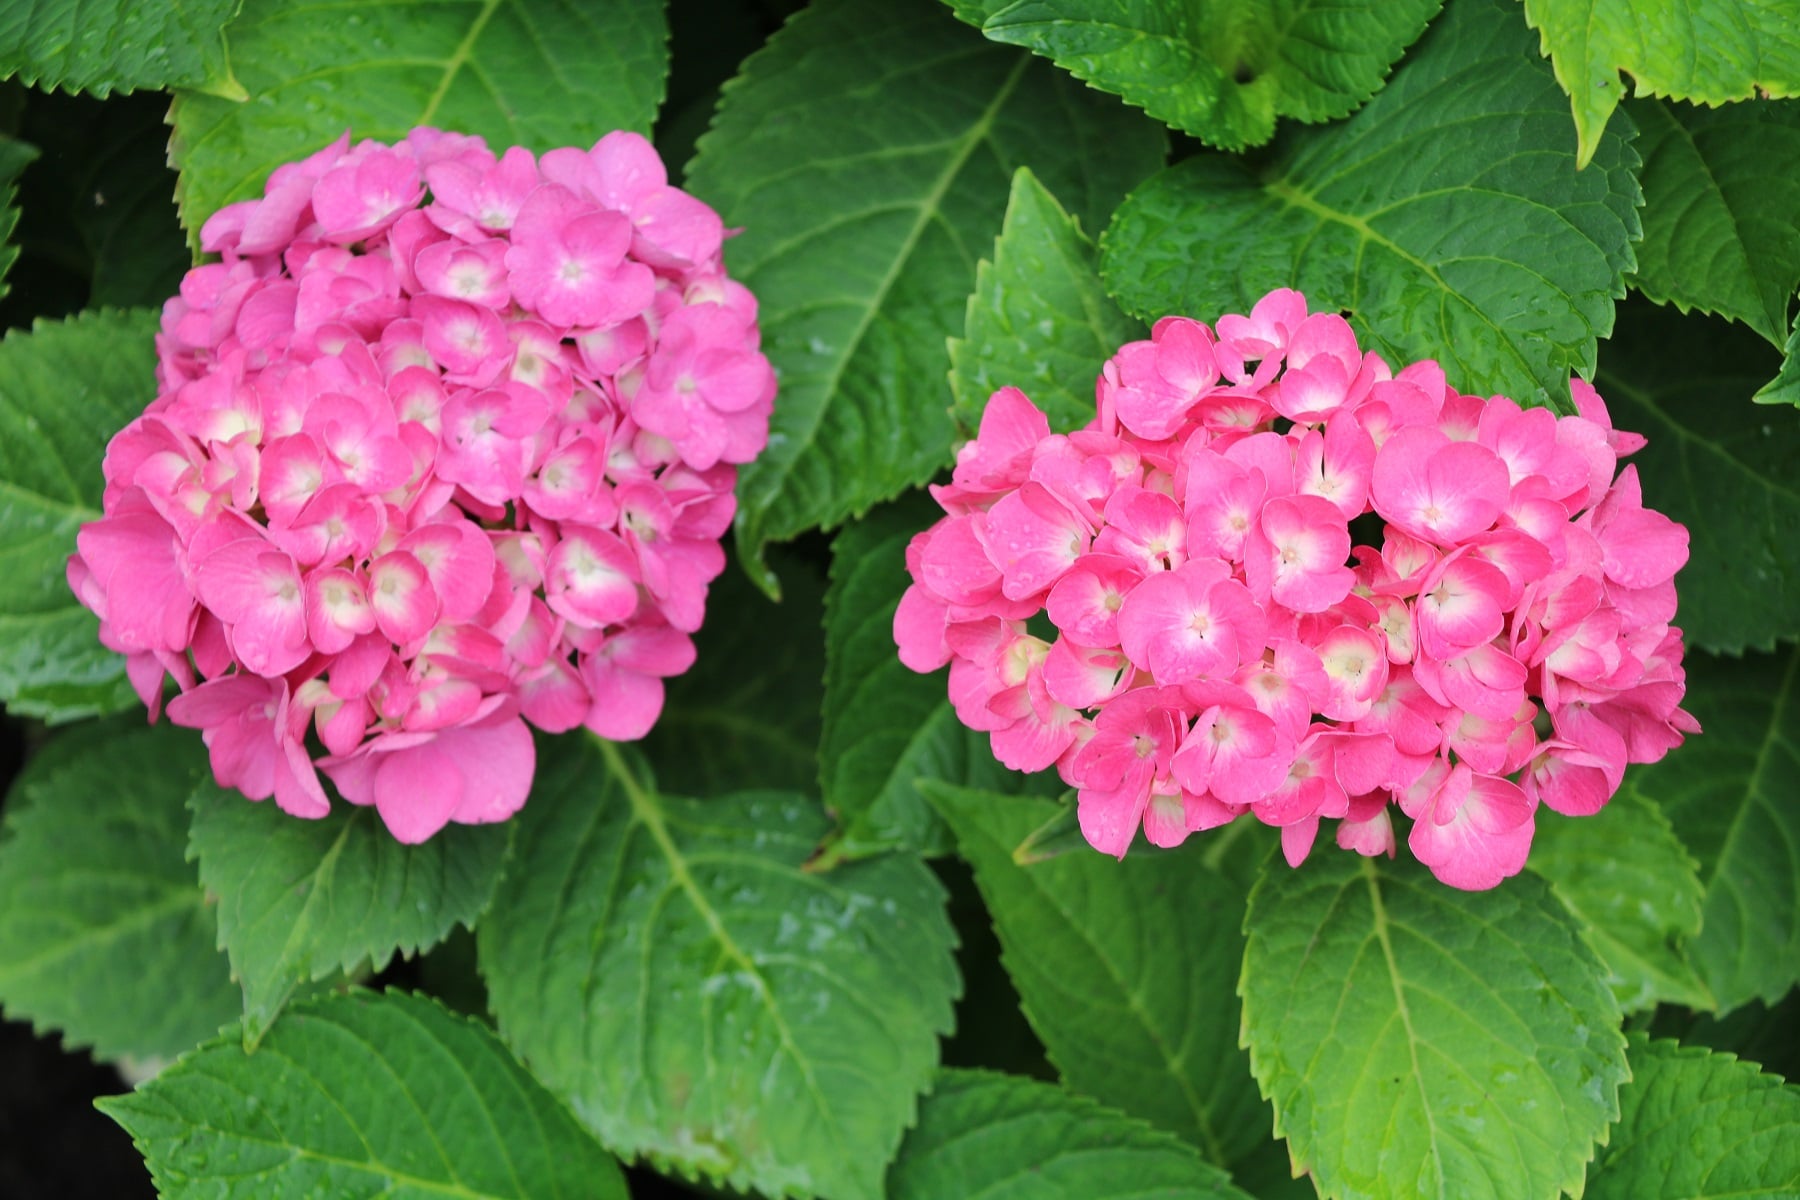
(443, 447)
(1222, 648)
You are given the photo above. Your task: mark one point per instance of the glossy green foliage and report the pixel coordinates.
(865, 209)
(95, 888)
(65, 387)
(668, 968)
(1133, 1003)
(1424, 1042)
(532, 73)
(299, 901)
(117, 45)
(1445, 218)
(363, 1095)
(1222, 70)
(1708, 51)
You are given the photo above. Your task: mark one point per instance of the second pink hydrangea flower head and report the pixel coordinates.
(444, 442)
(1279, 580)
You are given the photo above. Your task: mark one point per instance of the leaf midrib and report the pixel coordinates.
(928, 210)
(647, 814)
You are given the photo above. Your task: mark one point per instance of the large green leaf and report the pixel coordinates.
(747, 714)
(105, 933)
(15, 156)
(65, 388)
(1693, 1124)
(533, 73)
(986, 1134)
(301, 900)
(1039, 319)
(1446, 218)
(1716, 463)
(102, 46)
(1223, 70)
(887, 727)
(1420, 1041)
(668, 967)
(362, 1095)
(1709, 51)
(866, 150)
(1125, 970)
(1635, 889)
(1730, 794)
(1721, 232)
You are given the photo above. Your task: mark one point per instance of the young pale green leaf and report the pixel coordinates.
(865, 150)
(1730, 795)
(65, 388)
(533, 73)
(887, 727)
(103, 46)
(300, 900)
(1697, 1124)
(15, 156)
(1419, 1041)
(669, 968)
(1446, 218)
(1718, 464)
(1635, 889)
(747, 714)
(362, 1095)
(985, 1134)
(1222, 70)
(1125, 969)
(1039, 318)
(105, 933)
(1708, 51)
(1720, 233)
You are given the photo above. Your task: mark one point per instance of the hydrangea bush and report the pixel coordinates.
(488, 495)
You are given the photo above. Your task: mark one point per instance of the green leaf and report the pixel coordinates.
(887, 727)
(1635, 889)
(1785, 387)
(1445, 217)
(1419, 1041)
(1698, 1124)
(985, 1134)
(533, 73)
(1039, 319)
(15, 156)
(1708, 51)
(300, 900)
(1717, 464)
(1768, 1035)
(701, 1001)
(1720, 233)
(1730, 794)
(1222, 71)
(65, 388)
(1124, 969)
(104, 932)
(865, 150)
(747, 714)
(102, 46)
(362, 1095)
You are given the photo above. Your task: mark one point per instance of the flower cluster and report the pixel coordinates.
(443, 443)
(1282, 580)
